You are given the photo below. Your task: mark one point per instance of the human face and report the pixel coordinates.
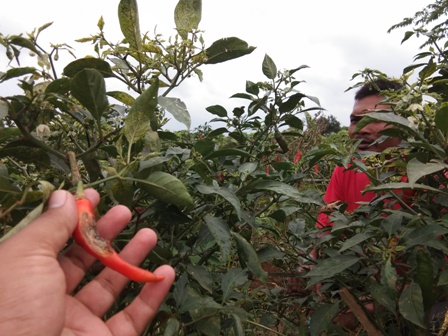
(369, 133)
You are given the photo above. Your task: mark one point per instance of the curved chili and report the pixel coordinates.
(87, 236)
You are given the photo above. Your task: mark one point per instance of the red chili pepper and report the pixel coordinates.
(86, 235)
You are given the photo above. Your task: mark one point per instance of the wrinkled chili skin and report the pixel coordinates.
(86, 235)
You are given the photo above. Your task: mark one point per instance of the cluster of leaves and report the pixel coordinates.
(216, 197)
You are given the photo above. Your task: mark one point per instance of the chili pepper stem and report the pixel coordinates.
(80, 191)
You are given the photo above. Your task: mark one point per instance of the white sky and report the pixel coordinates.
(334, 38)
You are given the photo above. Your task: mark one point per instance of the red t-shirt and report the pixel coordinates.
(346, 186)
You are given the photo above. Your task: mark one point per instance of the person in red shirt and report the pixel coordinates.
(346, 186)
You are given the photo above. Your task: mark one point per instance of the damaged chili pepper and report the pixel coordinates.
(87, 236)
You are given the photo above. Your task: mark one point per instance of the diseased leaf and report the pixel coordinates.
(142, 115)
(167, 188)
(187, 16)
(221, 232)
(410, 304)
(122, 97)
(129, 23)
(177, 108)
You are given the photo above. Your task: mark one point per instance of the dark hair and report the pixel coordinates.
(374, 88)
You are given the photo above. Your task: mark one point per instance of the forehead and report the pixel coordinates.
(368, 104)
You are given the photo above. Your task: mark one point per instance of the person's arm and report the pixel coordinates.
(37, 281)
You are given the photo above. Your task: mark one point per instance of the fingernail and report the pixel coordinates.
(57, 199)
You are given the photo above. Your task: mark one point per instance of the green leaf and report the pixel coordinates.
(60, 85)
(416, 169)
(285, 189)
(411, 304)
(228, 152)
(217, 110)
(7, 186)
(227, 194)
(424, 276)
(209, 326)
(355, 240)
(16, 72)
(25, 43)
(202, 275)
(238, 328)
(252, 88)
(142, 115)
(443, 278)
(441, 119)
(8, 133)
(221, 232)
(172, 327)
(216, 132)
(322, 318)
(232, 279)
(226, 49)
(269, 68)
(88, 63)
(167, 188)
(426, 236)
(204, 146)
(129, 22)
(400, 186)
(177, 108)
(250, 257)
(121, 192)
(291, 103)
(89, 87)
(384, 296)
(293, 121)
(187, 16)
(27, 152)
(329, 267)
(389, 118)
(3, 113)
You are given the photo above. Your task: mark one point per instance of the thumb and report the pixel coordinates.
(53, 228)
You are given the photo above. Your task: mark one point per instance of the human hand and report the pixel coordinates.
(36, 281)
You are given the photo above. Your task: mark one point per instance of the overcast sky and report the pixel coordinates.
(334, 38)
